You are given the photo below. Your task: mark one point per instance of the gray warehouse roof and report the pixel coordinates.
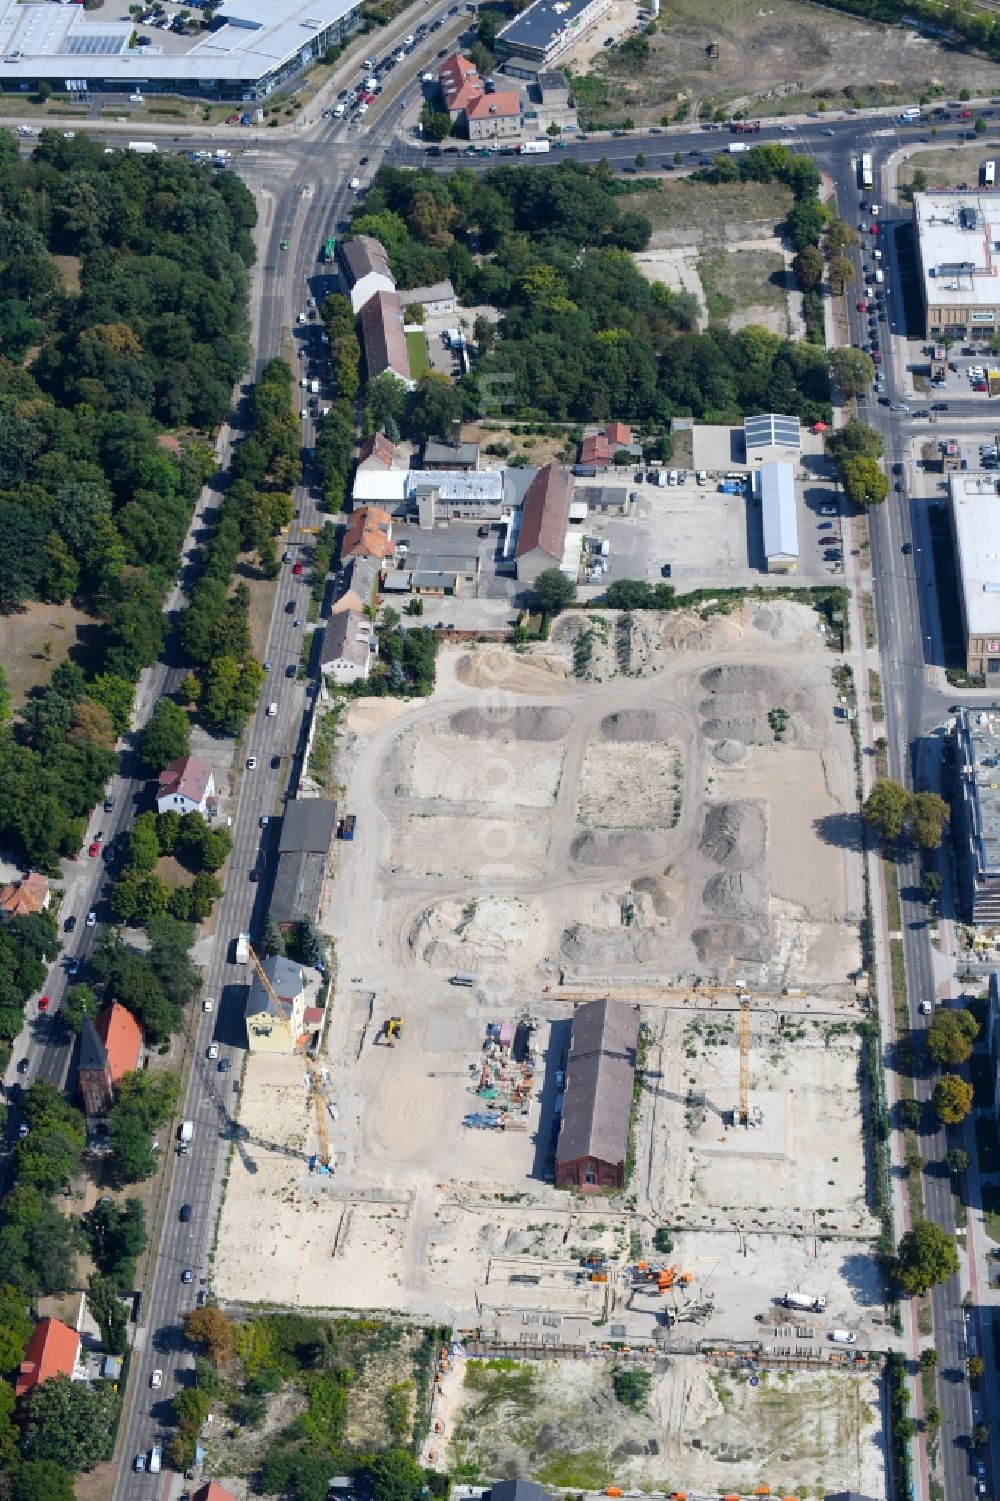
(772, 431)
(307, 830)
(309, 824)
(517, 1490)
(975, 509)
(777, 508)
(599, 1079)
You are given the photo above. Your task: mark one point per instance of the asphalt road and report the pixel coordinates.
(301, 180)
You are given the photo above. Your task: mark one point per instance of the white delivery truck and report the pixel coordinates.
(735, 147)
(843, 1337)
(243, 949)
(534, 148)
(142, 148)
(314, 387)
(185, 1134)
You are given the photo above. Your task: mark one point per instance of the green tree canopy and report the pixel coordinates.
(166, 736)
(926, 1256)
(950, 1037)
(952, 1099)
(552, 591)
(71, 1423)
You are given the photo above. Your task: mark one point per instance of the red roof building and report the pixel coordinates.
(185, 786)
(460, 84)
(367, 534)
(122, 1038)
(212, 1491)
(110, 1049)
(618, 434)
(544, 520)
(52, 1351)
(25, 897)
(376, 451)
(596, 451)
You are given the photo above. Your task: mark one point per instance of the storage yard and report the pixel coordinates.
(661, 838)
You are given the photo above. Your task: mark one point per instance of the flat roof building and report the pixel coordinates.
(250, 47)
(772, 436)
(978, 758)
(532, 41)
(958, 254)
(600, 1076)
(975, 532)
(775, 485)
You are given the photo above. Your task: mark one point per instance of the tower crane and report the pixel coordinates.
(321, 1162)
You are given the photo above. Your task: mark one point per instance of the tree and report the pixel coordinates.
(952, 1099)
(166, 736)
(211, 1330)
(885, 809)
(71, 1423)
(79, 1002)
(931, 885)
(928, 819)
(16, 1327)
(929, 1359)
(911, 1113)
(434, 406)
(976, 1367)
(980, 1434)
(925, 1257)
(841, 274)
(957, 1160)
(41, 1480)
(272, 939)
(117, 1235)
(110, 1313)
(854, 439)
(552, 591)
(436, 123)
(838, 236)
(394, 1476)
(950, 1037)
(310, 943)
(808, 267)
(863, 481)
(851, 371)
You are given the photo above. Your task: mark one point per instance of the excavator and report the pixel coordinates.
(320, 1162)
(662, 1278)
(392, 1028)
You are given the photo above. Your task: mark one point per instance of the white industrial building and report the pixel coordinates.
(532, 41)
(774, 485)
(439, 494)
(249, 49)
(958, 252)
(772, 436)
(975, 533)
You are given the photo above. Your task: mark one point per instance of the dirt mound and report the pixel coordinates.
(635, 724)
(490, 932)
(751, 730)
(735, 834)
(511, 724)
(724, 942)
(739, 681)
(783, 619)
(494, 668)
(598, 847)
(730, 752)
(738, 893)
(666, 892)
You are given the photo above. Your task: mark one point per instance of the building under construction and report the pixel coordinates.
(600, 1077)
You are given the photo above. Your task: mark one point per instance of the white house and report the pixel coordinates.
(185, 786)
(348, 647)
(364, 269)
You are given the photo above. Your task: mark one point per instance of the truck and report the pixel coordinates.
(745, 127)
(811, 1302)
(736, 146)
(143, 148)
(462, 977)
(731, 487)
(330, 249)
(347, 826)
(534, 148)
(243, 948)
(185, 1132)
(911, 114)
(314, 387)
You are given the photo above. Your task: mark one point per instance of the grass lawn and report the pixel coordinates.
(733, 281)
(416, 348)
(33, 641)
(717, 211)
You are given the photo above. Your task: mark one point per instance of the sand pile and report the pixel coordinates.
(783, 619)
(497, 670)
(720, 944)
(735, 893)
(597, 847)
(735, 834)
(665, 893)
(493, 931)
(730, 752)
(510, 724)
(635, 725)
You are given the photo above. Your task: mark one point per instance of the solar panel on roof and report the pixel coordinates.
(95, 46)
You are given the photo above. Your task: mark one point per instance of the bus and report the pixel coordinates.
(989, 174)
(330, 249)
(867, 176)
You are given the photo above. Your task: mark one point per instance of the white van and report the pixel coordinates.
(843, 1337)
(272, 710)
(155, 1459)
(672, 477)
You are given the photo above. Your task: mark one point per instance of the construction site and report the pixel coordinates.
(681, 841)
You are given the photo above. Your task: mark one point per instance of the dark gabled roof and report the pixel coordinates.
(600, 1076)
(298, 886)
(545, 513)
(308, 825)
(93, 1053)
(363, 256)
(383, 336)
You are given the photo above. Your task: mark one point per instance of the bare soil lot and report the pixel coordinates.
(701, 1428)
(947, 166)
(559, 838)
(796, 55)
